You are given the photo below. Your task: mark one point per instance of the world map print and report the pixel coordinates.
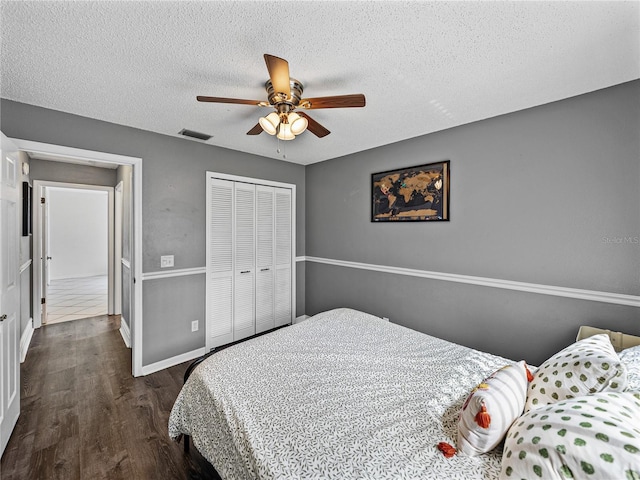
(412, 194)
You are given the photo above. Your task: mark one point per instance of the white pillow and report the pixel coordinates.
(596, 436)
(630, 358)
(588, 366)
(491, 408)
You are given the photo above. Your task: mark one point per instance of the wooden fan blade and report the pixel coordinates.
(240, 101)
(314, 127)
(279, 74)
(257, 130)
(340, 101)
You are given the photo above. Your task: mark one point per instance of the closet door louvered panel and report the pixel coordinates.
(265, 319)
(282, 298)
(219, 263)
(220, 302)
(244, 257)
(283, 255)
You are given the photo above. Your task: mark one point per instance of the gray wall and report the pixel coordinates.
(537, 196)
(173, 211)
(70, 172)
(168, 299)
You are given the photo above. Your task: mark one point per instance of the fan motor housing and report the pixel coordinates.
(278, 98)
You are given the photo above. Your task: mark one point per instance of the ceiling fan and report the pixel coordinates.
(285, 95)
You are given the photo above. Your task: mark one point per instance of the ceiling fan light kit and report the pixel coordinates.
(270, 123)
(298, 124)
(285, 95)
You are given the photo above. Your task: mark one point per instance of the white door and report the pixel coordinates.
(244, 261)
(44, 254)
(264, 258)
(219, 263)
(9, 292)
(117, 259)
(283, 257)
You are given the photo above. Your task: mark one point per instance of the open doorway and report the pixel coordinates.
(131, 267)
(76, 248)
(59, 258)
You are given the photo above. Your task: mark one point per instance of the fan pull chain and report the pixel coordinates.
(284, 149)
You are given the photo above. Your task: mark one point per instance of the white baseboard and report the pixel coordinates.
(301, 318)
(25, 340)
(125, 332)
(170, 362)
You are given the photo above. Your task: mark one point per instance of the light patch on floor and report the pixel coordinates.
(76, 298)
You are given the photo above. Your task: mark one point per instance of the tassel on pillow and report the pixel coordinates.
(483, 419)
(447, 450)
(529, 374)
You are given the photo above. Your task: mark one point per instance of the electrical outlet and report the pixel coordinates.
(194, 326)
(386, 319)
(166, 261)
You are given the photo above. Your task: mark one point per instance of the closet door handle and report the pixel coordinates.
(246, 271)
(3, 317)
(264, 269)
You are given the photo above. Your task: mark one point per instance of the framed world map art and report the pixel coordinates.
(413, 194)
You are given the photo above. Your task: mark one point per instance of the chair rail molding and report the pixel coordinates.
(580, 294)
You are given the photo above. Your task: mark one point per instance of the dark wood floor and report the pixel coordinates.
(83, 416)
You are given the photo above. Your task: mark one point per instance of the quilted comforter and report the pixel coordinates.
(343, 395)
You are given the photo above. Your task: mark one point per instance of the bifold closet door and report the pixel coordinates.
(244, 259)
(265, 273)
(283, 254)
(219, 263)
(249, 259)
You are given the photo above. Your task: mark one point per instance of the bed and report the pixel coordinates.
(342, 395)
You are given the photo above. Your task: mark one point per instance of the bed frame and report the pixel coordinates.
(201, 359)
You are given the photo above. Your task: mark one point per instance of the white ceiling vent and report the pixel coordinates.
(194, 134)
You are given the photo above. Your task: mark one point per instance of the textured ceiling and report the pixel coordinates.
(423, 66)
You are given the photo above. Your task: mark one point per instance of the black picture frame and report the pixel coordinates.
(26, 209)
(412, 194)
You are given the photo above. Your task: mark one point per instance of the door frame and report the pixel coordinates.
(39, 242)
(89, 157)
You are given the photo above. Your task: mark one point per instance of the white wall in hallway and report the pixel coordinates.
(78, 233)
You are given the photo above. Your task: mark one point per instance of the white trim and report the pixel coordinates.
(25, 265)
(126, 263)
(88, 156)
(252, 180)
(180, 272)
(301, 318)
(173, 361)
(301, 259)
(25, 340)
(592, 295)
(84, 156)
(117, 250)
(125, 332)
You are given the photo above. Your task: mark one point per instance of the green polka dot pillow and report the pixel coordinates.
(596, 436)
(588, 366)
(491, 408)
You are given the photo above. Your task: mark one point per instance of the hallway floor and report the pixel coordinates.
(84, 417)
(76, 298)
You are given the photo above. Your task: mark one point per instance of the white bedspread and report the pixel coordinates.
(343, 395)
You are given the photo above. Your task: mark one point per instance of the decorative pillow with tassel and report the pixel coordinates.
(491, 408)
